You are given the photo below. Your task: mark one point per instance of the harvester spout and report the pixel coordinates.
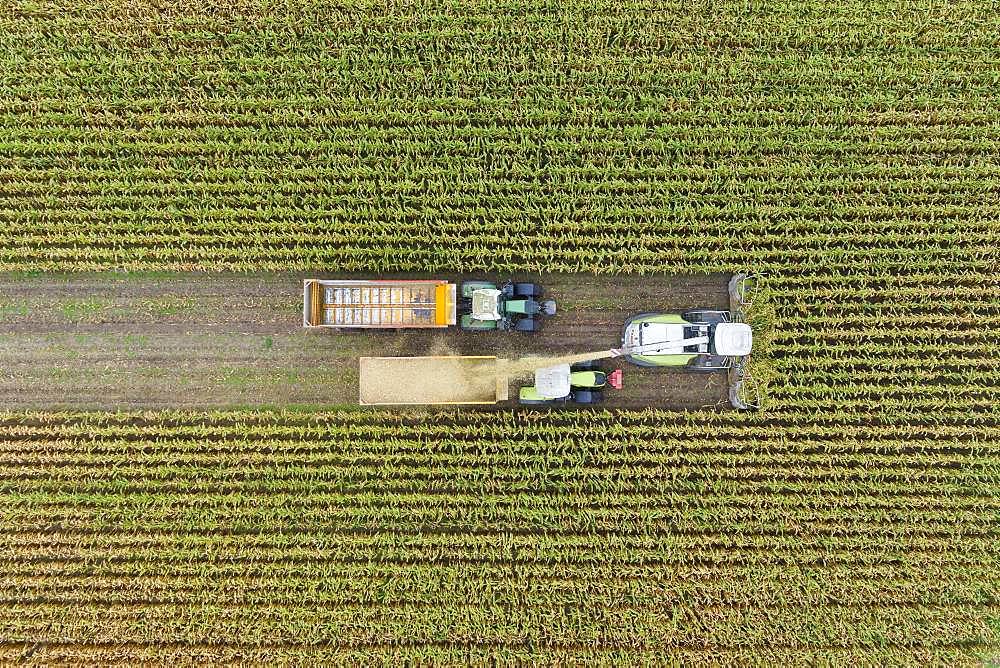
(531, 364)
(515, 368)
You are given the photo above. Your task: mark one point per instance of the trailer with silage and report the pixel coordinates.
(432, 380)
(378, 304)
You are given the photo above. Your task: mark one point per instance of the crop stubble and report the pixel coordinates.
(172, 340)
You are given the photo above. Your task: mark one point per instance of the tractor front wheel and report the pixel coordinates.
(528, 325)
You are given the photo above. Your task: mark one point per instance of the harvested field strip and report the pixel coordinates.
(173, 340)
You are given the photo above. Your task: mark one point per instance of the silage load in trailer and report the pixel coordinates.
(386, 381)
(376, 304)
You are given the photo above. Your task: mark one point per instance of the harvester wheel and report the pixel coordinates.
(706, 363)
(704, 316)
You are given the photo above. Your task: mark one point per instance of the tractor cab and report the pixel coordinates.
(487, 304)
(554, 382)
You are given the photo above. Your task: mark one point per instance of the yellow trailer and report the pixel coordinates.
(378, 304)
(391, 381)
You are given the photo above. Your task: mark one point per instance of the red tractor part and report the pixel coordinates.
(615, 379)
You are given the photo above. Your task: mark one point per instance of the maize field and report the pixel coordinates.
(847, 151)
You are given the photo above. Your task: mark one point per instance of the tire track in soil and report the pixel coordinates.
(157, 341)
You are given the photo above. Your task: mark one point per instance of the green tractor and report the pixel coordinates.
(512, 307)
(582, 383)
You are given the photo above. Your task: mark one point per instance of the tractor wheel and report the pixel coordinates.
(532, 402)
(706, 363)
(470, 324)
(584, 366)
(528, 325)
(527, 290)
(587, 396)
(528, 396)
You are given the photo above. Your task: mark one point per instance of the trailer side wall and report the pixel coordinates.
(378, 304)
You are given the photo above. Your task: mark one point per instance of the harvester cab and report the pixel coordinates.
(509, 307)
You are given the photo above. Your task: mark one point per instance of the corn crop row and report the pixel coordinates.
(323, 535)
(847, 151)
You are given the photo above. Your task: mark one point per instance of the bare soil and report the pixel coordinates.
(127, 341)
